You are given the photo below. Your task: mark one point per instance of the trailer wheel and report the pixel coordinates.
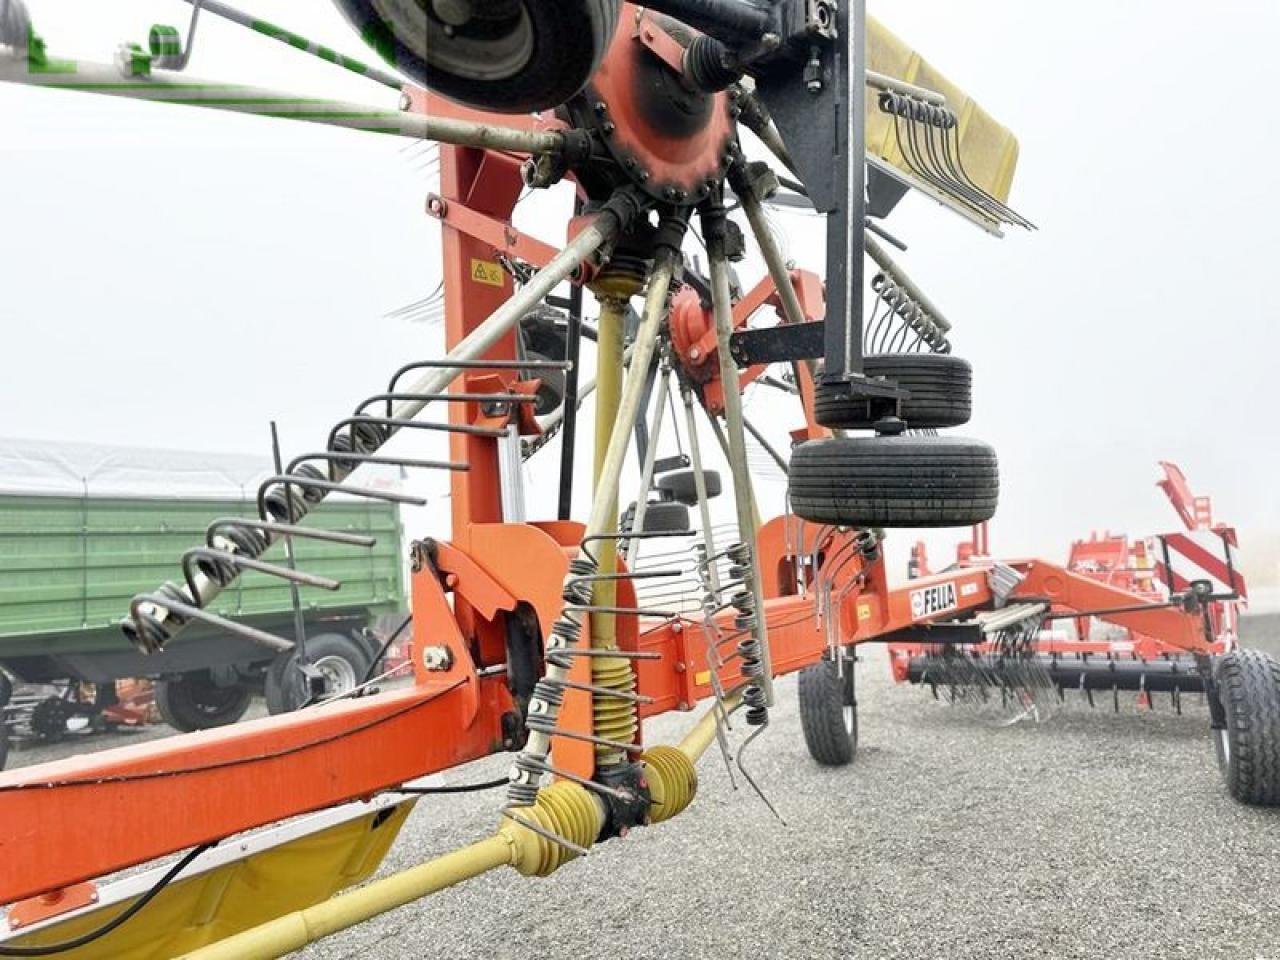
(193, 701)
(829, 712)
(894, 481)
(4, 744)
(6, 689)
(1248, 747)
(682, 485)
(666, 517)
(512, 56)
(941, 388)
(341, 660)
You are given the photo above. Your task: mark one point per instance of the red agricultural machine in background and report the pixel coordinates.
(1087, 646)
(681, 117)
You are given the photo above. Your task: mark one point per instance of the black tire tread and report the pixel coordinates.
(895, 481)
(941, 388)
(822, 697)
(1248, 684)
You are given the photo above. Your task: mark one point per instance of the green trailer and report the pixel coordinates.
(69, 566)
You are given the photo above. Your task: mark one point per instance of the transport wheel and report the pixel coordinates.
(512, 56)
(941, 388)
(829, 711)
(4, 744)
(682, 485)
(6, 689)
(1248, 748)
(551, 389)
(341, 660)
(665, 517)
(894, 481)
(193, 701)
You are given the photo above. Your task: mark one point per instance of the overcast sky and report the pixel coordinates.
(175, 278)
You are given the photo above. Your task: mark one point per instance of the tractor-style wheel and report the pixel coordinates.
(682, 485)
(829, 711)
(894, 481)
(194, 701)
(941, 388)
(512, 56)
(339, 658)
(1248, 747)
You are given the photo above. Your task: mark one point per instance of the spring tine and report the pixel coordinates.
(478, 365)
(249, 563)
(294, 480)
(315, 533)
(627, 535)
(618, 793)
(261, 637)
(545, 833)
(607, 692)
(554, 731)
(747, 773)
(601, 652)
(406, 422)
(338, 456)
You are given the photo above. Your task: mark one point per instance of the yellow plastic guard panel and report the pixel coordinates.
(990, 151)
(235, 896)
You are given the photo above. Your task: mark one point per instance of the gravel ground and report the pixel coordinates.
(1090, 835)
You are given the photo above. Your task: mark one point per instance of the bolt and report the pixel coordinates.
(608, 128)
(770, 42)
(695, 353)
(406, 101)
(600, 107)
(643, 175)
(681, 668)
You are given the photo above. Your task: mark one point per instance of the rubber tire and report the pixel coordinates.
(1248, 687)
(894, 481)
(282, 688)
(179, 701)
(666, 517)
(682, 485)
(941, 388)
(6, 689)
(823, 695)
(551, 390)
(4, 745)
(569, 38)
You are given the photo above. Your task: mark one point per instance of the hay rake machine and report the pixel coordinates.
(528, 634)
(1089, 644)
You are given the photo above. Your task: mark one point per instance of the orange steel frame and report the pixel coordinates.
(75, 820)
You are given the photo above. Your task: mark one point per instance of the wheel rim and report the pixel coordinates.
(339, 675)
(474, 47)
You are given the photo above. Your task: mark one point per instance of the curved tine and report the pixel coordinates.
(261, 637)
(332, 456)
(461, 365)
(601, 652)
(314, 533)
(444, 398)
(399, 422)
(637, 611)
(544, 832)
(747, 774)
(635, 575)
(953, 139)
(286, 480)
(632, 535)
(912, 159)
(618, 793)
(249, 563)
(607, 691)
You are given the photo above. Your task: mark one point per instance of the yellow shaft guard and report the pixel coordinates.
(990, 151)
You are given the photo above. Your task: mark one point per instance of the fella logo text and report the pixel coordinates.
(931, 600)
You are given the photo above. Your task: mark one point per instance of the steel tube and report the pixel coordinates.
(646, 471)
(298, 42)
(703, 734)
(892, 84)
(773, 260)
(744, 497)
(700, 484)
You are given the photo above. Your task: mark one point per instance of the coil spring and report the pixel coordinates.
(548, 693)
(742, 572)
